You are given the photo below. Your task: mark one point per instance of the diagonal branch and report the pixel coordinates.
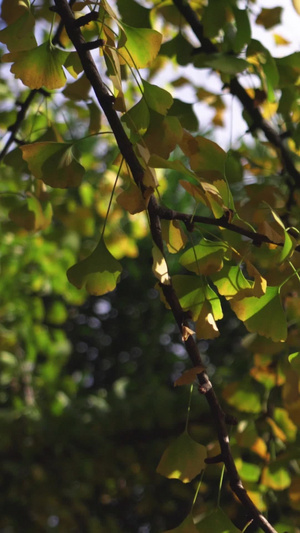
(238, 90)
(106, 102)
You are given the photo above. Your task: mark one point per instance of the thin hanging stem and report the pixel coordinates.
(111, 197)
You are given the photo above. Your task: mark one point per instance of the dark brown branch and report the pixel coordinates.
(238, 90)
(16, 125)
(222, 222)
(137, 171)
(85, 19)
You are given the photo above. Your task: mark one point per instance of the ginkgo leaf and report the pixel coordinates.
(11, 10)
(173, 235)
(216, 522)
(189, 376)
(228, 64)
(256, 313)
(99, 273)
(204, 258)
(19, 35)
(132, 199)
(137, 118)
(54, 163)
(78, 90)
(157, 161)
(140, 47)
(206, 327)
(296, 4)
(163, 134)
(187, 526)
(294, 359)
(156, 98)
(32, 215)
(207, 194)
(243, 396)
(230, 280)
(183, 459)
(39, 67)
(204, 154)
(276, 477)
(143, 155)
(160, 267)
(200, 300)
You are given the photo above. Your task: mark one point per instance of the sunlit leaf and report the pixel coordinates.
(294, 359)
(160, 267)
(54, 163)
(230, 280)
(39, 67)
(183, 459)
(99, 273)
(296, 4)
(19, 35)
(140, 47)
(173, 235)
(243, 396)
(256, 312)
(276, 477)
(189, 376)
(204, 258)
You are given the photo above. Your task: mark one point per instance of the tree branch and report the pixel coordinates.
(137, 171)
(238, 90)
(222, 222)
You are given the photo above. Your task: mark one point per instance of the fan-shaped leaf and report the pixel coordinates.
(99, 273)
(54, 163)
(141, 46)
(39, 67)
(183, 459)
(256, 313)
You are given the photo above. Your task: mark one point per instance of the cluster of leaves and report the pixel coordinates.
(71, 204)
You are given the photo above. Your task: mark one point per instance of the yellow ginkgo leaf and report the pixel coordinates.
(39, 67)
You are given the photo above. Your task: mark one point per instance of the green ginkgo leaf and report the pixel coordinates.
(205, 258)
(54, 163)
(139, 46)
(99, 273)
(39, 67)
(19, 35)
(156, 98)
(230, 280)
(137, 118)
(263, 315)
(183, 459)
